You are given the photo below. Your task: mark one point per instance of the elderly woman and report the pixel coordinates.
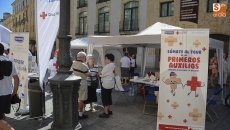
(92, 81)
(107, 79)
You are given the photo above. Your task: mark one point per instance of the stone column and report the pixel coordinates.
(65, 84)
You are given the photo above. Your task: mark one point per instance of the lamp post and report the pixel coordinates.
(65, 84)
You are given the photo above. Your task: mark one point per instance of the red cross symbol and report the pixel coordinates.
(169, 116)
(185, 121)
(43, 15)
(204, 49)
(177, 32)
(193, 83)
(180, 43)
(56, 65)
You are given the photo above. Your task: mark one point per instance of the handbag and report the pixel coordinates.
(14, 100)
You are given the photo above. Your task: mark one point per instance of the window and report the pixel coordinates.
(210, 4)
(131, 16)
(82, 3)
(100, 1)
(167, 9)
(83, 23)
(103, 20)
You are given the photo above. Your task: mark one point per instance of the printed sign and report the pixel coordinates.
(183, 79)
(189, 13)
(219, 10)
(19, 46)
(32, 65)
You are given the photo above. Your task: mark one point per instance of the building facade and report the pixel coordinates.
(23, 20)
(126, 17)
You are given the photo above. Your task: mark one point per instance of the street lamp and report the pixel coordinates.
(65, 84)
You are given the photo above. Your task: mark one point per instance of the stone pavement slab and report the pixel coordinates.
(125, 117)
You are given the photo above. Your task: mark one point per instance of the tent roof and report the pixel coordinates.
(83, 43)
(150, 37)
(4, 35)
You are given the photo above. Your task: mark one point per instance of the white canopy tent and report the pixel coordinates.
(150, 37)
(82, 43)
(5, 36)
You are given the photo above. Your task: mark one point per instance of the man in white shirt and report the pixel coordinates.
(6, 90)
(125, 66)
(53, 66)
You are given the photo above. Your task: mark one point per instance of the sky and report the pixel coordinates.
(5, 6)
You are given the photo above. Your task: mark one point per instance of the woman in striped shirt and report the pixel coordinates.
(92, 95)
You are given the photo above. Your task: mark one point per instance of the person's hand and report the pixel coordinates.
(88, 74)
(99, 72)
(13, 93)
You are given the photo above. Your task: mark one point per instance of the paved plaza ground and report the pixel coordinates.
(125, 117)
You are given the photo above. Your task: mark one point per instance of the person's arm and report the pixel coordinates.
(105, 71)
(16, 84)
(49, 70)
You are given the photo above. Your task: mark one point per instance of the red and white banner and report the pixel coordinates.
(183, 79)
(47, 21)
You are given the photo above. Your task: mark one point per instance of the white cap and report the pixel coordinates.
(81, 54)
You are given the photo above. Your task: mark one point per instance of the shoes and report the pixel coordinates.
(83, 117)
(110, 113)
(92, 109)
(104, 115)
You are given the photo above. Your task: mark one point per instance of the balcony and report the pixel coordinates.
(81, 32)
(101, 1)
(82, 4)
(129, 26)
(102, 28)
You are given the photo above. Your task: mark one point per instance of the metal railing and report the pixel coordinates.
(101, 1)
(102, 28)
(82, 3)
(129, 25)
(81, 31)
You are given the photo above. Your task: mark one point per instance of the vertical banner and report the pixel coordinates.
(47, 21)
(183, 79)
(19, 46)
(189, 13)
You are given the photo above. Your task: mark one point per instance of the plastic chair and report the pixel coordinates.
(119, 88)
(211, 102)
(150, 97)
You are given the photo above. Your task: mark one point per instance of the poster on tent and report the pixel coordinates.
(183, 84)
(19, 46)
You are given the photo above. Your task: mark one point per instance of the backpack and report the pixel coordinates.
(5, 69)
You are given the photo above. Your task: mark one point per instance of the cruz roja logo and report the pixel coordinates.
(44, 14)
(19, 39)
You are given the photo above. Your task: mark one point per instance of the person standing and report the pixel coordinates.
(80, 69)
(225, 69)
(133, 64)
(213, 66)
(6, 91)
(125, 66)
(108, 82)
(53, 66)
(92, 81)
